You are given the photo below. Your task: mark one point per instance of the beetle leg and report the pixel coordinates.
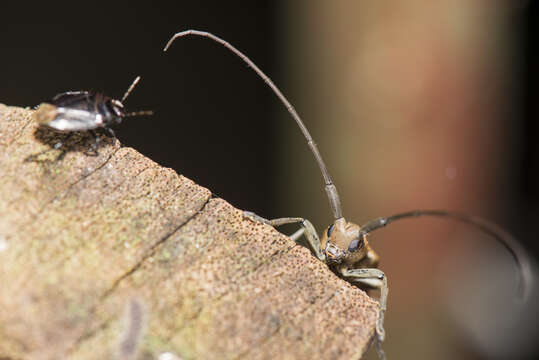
(307, 229)
(111, 132)
(59, 144)
(97, 140)
(295, 236)
(377, 279)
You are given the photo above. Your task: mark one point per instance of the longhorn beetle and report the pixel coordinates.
(84, 110)
(344, 246)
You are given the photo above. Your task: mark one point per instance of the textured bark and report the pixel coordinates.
(84, 235)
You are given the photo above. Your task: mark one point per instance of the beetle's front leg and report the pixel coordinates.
(377, 279)
(97, 140)
(110, 131)
(307, 229)
(61, 143)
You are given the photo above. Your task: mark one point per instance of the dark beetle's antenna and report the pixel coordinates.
(139, 113)
(508, 241)
(129, 90)
(131, 87)
(331, 190)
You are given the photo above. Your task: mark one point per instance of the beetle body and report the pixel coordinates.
(84, 111)
(79, 111)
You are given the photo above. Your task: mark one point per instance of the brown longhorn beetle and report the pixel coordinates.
(344, 246)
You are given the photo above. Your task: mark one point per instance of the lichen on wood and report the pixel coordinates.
(83, 235)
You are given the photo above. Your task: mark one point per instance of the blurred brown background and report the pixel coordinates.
(414, 104)
(421, 104)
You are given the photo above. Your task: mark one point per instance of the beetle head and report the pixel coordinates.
(118, 109)
(344, 243)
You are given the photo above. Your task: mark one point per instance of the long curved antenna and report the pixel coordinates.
(507, 240)
(331, 190)
(131, 87)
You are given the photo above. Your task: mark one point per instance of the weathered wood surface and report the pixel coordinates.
(81, 235)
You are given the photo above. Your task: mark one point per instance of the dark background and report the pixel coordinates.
(529, 199)
(214, 119)
(211, 112)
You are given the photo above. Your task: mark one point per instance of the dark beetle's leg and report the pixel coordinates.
(95, 145)
(59, 144)
(111, 132)
(307, 229)
(96, 137)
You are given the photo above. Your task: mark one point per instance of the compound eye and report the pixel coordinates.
(330, 230)
(355, 245)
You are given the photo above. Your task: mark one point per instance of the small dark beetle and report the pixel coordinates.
(84, 110)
